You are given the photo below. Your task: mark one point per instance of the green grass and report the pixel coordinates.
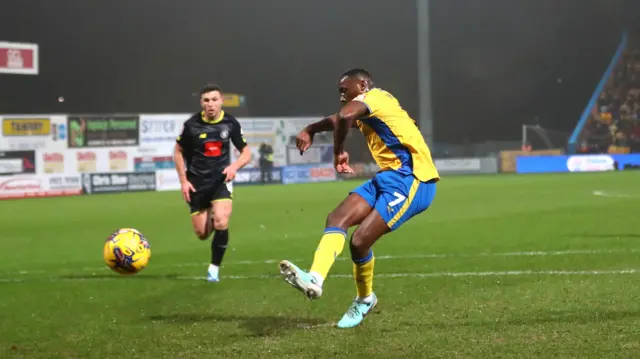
(569, 299)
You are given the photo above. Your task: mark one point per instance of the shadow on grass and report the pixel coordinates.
(259, 326)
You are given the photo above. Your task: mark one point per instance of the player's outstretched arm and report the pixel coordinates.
(346, 119)
(324, 125)
(304, 139)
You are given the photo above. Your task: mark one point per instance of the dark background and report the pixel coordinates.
(495, 63)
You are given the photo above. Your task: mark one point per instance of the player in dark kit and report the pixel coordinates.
(204, 146)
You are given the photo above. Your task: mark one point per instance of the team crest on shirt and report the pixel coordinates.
(224, 134)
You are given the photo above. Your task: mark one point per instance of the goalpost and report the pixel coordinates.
(540, 138)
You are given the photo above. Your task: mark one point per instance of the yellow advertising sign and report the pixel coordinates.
(26, 126)
(233, 100)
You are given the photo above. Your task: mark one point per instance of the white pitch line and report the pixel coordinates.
(593, 272)
(316, 326)
(382, 257)
(10, 280)
(456, 274)
(511, 254)
(418, 256)
(613, 195)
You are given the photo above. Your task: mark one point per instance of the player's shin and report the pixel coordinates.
(218, 247)
(363, 275)
(330, 247)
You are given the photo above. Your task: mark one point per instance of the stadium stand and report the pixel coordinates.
(613, 125)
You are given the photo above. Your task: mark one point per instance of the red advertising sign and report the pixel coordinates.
(19, 58)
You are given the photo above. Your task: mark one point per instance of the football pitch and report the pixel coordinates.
(536, 266)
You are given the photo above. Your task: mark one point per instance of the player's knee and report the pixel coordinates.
(221, 223)
(362, 240)
(336, 219)
(358, 241)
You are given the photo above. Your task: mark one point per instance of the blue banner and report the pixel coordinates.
(577, 163)
(308, 173)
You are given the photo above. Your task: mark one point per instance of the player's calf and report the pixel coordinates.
(221, 214)
(350, 212)
(203, 234)
(371, 229)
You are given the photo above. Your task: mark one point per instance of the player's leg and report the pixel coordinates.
(200, 208)
(222, 208)
(350, 212)
(202, 223)
(402, 197)
(369, 231)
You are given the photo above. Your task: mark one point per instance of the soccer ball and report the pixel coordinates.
(126, 251)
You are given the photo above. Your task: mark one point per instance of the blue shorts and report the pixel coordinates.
(396, 196)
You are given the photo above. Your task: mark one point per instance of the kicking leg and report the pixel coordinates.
(352, 211)
(371, 229)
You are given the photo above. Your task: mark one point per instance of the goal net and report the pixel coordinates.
(540, 138)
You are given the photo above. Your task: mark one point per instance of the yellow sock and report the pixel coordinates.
(330, 247)
(363, 274)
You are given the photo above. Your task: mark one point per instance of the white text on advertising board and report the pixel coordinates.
(24, 186)
(590, 163)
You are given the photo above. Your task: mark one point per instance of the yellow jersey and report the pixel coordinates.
(394, 138)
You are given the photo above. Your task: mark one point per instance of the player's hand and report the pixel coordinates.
(187, 188)
(341, 163)
(230, 172)
(304, 140)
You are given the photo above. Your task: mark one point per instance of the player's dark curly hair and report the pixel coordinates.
(360, 73)
(210, 88)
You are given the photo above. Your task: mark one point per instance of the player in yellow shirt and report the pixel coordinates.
(404, 187)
